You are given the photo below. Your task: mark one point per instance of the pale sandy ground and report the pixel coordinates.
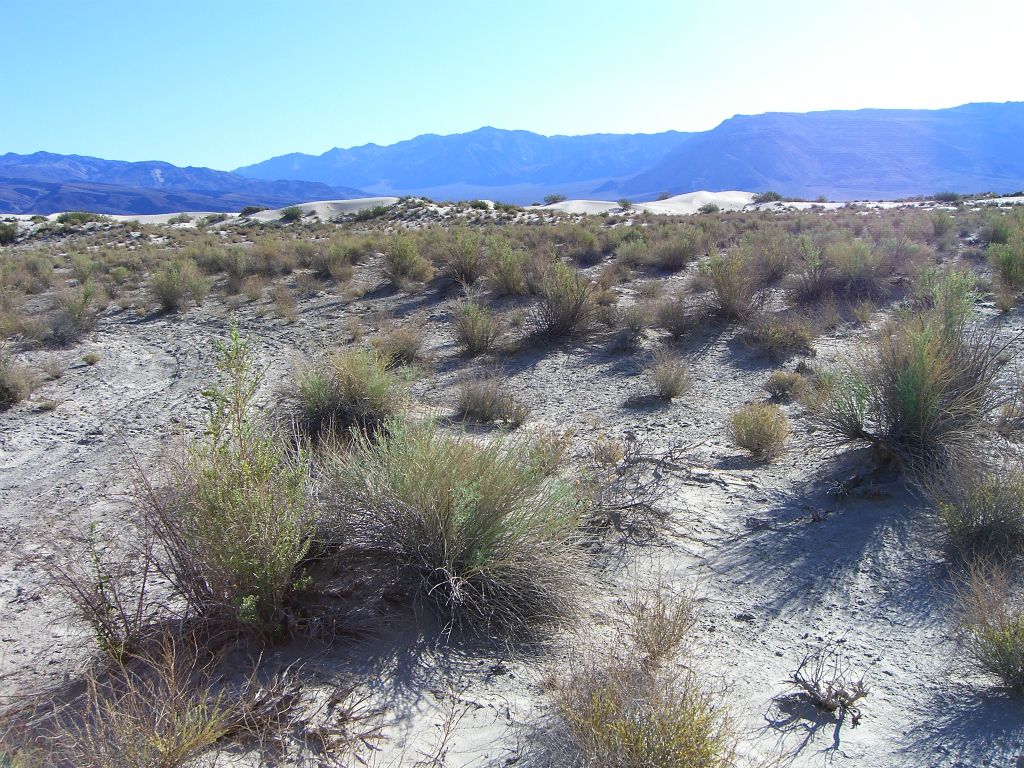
(778, 563)
(679, 205)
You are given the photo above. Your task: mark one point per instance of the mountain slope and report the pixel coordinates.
(848, 154)
(45, 182)
(488, 157)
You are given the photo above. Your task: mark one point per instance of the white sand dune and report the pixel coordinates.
(329, 209)
(680, 205)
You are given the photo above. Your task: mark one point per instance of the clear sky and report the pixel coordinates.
(223, 83)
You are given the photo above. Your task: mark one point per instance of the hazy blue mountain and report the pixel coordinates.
(840, 154)
(481, 159)
(869, 153)
(45, 182)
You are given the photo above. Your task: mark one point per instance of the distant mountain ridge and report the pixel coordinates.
(45, 182)
(843, 155)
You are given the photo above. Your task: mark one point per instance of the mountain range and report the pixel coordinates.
(843, 155)
(45, 182)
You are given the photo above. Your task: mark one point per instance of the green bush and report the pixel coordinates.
(70, 218)
(487, 534)
(566, 306)
(1007, 261)
(767, 197)
(236, 521)
(982, 512)
(75, 315)
(366, 214)
(476, 329)
(921, 395)
(353, 388)
(993, 624)
(780, 335)
(291, 213)
(8, 233)
(175, 282)
(786, 385)
(553, 198)
(464, 256)
(249, 210)
(403, 262)
(507, 268)
(736, 292)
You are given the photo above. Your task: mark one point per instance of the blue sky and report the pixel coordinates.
(222, 83)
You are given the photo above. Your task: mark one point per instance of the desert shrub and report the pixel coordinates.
(476, 328)
(249, 210)
(236, 519)
(1007, 262)
(772, 249)
(485, 400)
(8, 233)
(761, 429)
(403, 262)
(581, 244)
(779, 335)
(992, 624)
(786, 385)
(736, 292)
(352, 388)
(709, 208)
(16, 381)
(70, 218)
(809, 282)
(678, 251)
(641, 711)
(669, 374)
(401, 346)
(942, 223)
(676, 316)
(463, 256)
(625, 204)
(175, 282)
(856, 268)
(997, 229)
(507, 268)
(982, 512)
(75, 315)
(921, 395)
(366, 214)
(951, 294)
(947, 197)
(630, 323)
(634, 252)
(487, 534)
(566, 306)
(767, 197)
(553, 198)
(291, 213)
(334, 260)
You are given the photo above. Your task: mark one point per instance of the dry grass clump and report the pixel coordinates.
(566, 306)
(464, 256)
(786, 385)
(856, 268)
(669, 374)
(351, 388)
(992, 624)
(761, 429)
(676, 251)
(630, 324)
(176, 282)
(236, 517)
(922, 395)
(641, 711)
(402, 345)
(780, 335)
(16, 381)
(486, 533)
(403, 262)
(736, 292)
(485, 400)
(676, 315)
(1007, 261)
(75, 313)
(476, 329)
(982, 511)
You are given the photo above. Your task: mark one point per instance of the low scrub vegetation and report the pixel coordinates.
(566, 306)
(476, 329)
(992, 623)
(403, 262)
(16, 381)
(735, 291)
(982, 511)
(485, 400)
(352, 388)
(761, 429)
(670, 375)
(487, 534)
